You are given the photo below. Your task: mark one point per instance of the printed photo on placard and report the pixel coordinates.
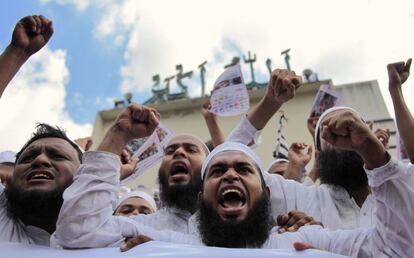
(325, 99)
(164, 134)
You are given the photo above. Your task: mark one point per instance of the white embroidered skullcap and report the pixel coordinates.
(330, 110)
(231, 146)
(137, 194)
(276, 161)
(191, 136)
(7, 157)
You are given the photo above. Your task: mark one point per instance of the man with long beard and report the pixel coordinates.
(30, 204)
(179, 174)
(235, 210)
(180, 183)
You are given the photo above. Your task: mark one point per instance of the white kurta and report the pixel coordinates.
(17, 231)
(332, 205)
(329, 204)
(85, 219)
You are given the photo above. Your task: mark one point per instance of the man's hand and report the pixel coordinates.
(398, 73)
(128, 165)
(344, 129)
(301, 246)
(383, 136)
(282, 86)
(300, 154)
(135, 122)
(31, 33)
(292, 221)
(134, 241)
(205, 110)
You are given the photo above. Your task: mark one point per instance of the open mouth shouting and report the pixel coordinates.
(39, 176)
(232, 201)
(179, 172)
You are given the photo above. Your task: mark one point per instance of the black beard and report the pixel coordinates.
(184, 197)
(252, 232)
(34, 207)
(343, 168)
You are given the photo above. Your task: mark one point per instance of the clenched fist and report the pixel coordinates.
(31, 34)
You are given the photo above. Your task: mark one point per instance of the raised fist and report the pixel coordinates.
(31, 33)
(283, 85)
(345, 129)
(300, 153)
(398, 73)
(136, 121)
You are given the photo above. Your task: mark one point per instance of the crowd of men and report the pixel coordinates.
(357, 200)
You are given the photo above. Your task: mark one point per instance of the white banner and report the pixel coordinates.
(155, 249)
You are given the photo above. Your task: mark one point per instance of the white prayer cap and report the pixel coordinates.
(137, 194)
(7, 157)
(193, 137)
(231, 146)
(276, 161)
(330, 110)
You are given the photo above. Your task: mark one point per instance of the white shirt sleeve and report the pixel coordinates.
(85, 219)
(245, 133)
(393, 235)
(392, 187)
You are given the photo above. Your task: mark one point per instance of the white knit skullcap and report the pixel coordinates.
(7, 157)
(330, 110)
(137, 194)
(231, 146)
(276, 161)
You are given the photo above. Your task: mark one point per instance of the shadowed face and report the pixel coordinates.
(179, 173)
(134, 206)
(46, 164)
(42, 172)
(232, 184)
(184, 155)
(235, 206)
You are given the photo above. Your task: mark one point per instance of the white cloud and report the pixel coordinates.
(346, 41)
(37, 94)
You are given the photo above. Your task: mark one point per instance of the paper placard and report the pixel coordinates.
(229, 96)
(148, 150)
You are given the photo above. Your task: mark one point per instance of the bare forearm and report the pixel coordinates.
(405, 122)
(374, 154)
(260, 114)
(10, 62)
(217, 135)
(113, 142)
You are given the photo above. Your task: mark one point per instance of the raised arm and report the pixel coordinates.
(281, 88)
(85, 219)
(299, 155)
(392, 186)
(398, 73)
(216, 133)
(30, 34)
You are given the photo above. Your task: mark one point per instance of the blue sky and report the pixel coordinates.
(94, 68)
(104, 48)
